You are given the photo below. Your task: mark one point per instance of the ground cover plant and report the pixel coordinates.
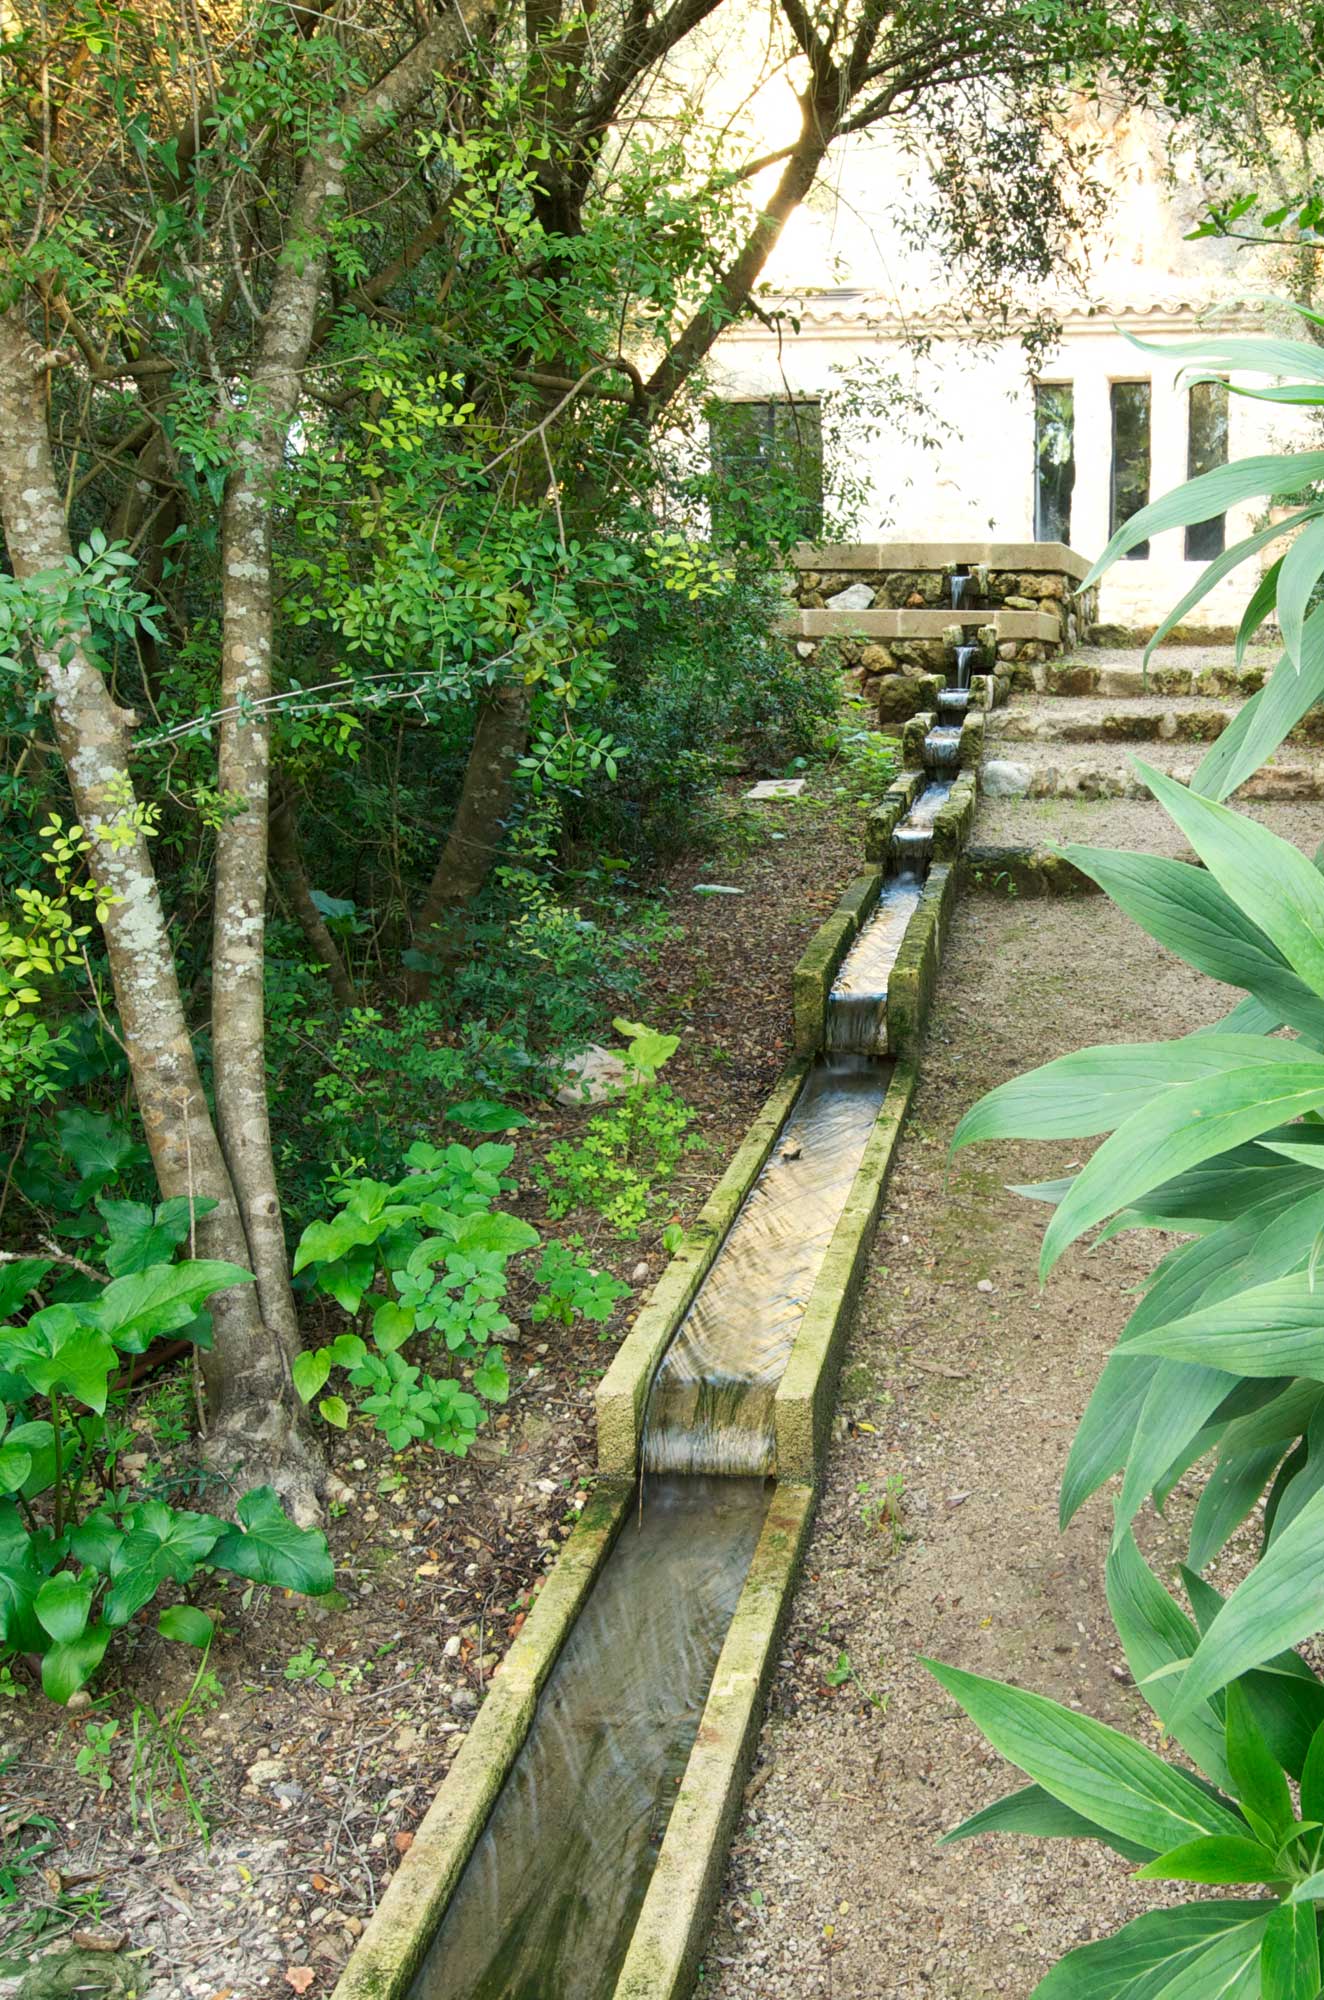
(1219, 1137)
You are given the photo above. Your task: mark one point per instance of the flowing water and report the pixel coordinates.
(953, 701)
(967, 658)
(547, 1903)
(912, 841)
(857, 1005)
(711, 1405)
(960, 583)
(942, 747)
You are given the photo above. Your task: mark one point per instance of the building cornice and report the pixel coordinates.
(853, 314)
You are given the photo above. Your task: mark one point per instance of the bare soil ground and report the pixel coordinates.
(937, 1533)
(326, 1727)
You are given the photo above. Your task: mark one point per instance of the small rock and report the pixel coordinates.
(640, 1274)
(78, 1700)
(593, 1077)
(464, 1701)
(451, 1647)
(855, 597)
(984, 1285)
(265, 1770)
(1001, 779)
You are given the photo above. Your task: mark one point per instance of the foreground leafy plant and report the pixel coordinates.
(627, 1150)
(1218, 1136)
(79, 1556)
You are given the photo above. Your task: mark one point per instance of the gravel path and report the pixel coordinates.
(961, 1390)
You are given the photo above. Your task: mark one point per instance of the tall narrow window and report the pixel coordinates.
(767, 458)
(1206, 448)
(1130, 482)
(1054, 460)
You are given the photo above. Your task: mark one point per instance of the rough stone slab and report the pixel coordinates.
(913, 624)
(952, 821)
(895, 803)
(910, 988)
(776, 788)
(811, 982)
(623, 1390)
(392, 1947)
(912, 739)
(1023, 871)
(1028, 556)
(860, 895)
(972, 739)
(806, 1394)
(672, 1930)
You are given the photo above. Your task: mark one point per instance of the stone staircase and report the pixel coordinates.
(1059, 758)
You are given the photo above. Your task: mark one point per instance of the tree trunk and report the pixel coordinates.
(246, 1367)
(501, 736)
(287, 863)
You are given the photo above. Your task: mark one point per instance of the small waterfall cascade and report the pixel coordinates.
(959, 583)
(967, 658)
(942, 747)
(857, 1009)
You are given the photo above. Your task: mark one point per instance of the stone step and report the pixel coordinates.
(1137, 824)
(1078, 676)
(1039, 771)
(1090, 720)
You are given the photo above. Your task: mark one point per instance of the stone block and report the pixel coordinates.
(855, 597)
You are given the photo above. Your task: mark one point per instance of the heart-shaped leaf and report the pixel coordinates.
(266, 1547)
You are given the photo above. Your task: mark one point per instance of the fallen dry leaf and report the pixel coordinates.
(300, 1977)
(403, 1842)
(101, 1940)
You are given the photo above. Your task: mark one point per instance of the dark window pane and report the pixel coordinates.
(767, 464)
(1130, 490)
(1206, 448)
(1054, 460)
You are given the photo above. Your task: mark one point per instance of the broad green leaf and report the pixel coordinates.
(1212, 493)
(1095, 1770)
(62, 1606)
(483, 1114)
(1280, 1603)
(1186, 911)
(1034, 1812)
(1262, 723)
(1096, 1089)
(1286, 1698)
(335, 1410)
(1304, 1485)
(1180, 1400)
(1279, 1422)
(266, 1547)
(1289, 1956)
(347, 1350)
(392, 1325)
(162, 1542)
(1266, 877)
(95, 1540)
(1259, 607)
(99, 1148)
(310, 1371)
(1223, 1858)
(69, 1666)
(1309, 1891)
(503, 1235)
(1231, 1491)
(188, 1626)
(18, 1279)
(140, 1237)
(1274, 1329)
(1154, 1632)
(15, 1466)
(1222, 565)
(165, 1298)
(1150, 1955)
(348, 1278)
(1312, 1778)
(328, 1242)
(1178, 1129)
(1303, 564)
(57, 1351)
(1257, 1776)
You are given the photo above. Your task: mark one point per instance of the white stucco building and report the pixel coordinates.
(1063, 453)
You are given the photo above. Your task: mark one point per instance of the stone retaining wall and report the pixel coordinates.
(1029, 593)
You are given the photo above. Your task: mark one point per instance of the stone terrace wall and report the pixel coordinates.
(887, 610)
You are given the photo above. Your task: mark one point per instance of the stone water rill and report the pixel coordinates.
(548, 1901)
